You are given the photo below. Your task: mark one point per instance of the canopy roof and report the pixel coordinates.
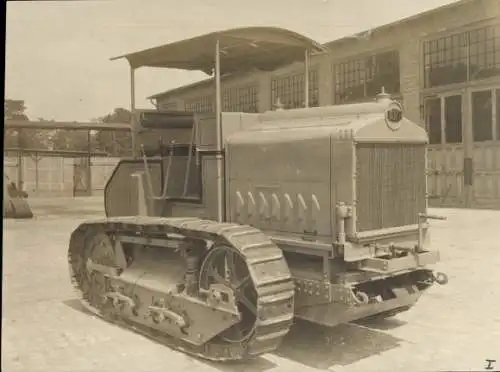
(241, 50)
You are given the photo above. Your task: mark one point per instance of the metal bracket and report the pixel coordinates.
(394, 265)
(422, 218)
(119, 299)
(221, 297)
(159, 314)
(103, 269)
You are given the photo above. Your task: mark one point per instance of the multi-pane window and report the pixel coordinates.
(359, 79)
(447, 127)
(443, 119)
(484, 53)
(240, 99)
(290, 90)
(485, 110)
(462, 57)
(167, 105)
(200, 104)
(482, 115)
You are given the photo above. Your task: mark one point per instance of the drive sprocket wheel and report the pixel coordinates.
(225, 265)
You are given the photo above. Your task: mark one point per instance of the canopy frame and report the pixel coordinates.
(234, 51)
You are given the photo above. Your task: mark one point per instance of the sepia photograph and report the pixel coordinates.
(225, 186)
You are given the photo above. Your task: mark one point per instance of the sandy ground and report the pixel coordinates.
(455, 327)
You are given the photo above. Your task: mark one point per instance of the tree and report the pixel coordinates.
(115, 143)
(75, 140)
(14, 110)
(29, 138)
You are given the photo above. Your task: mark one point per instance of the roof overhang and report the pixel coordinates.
(241, 50)
(69, 125)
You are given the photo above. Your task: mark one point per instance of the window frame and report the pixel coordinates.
(357, 66)
(464, 33)
(241, 98)
(204, 103)
(293, 85)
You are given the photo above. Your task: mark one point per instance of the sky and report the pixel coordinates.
(58, 52)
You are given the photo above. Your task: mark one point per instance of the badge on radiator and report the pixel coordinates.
(394, 115)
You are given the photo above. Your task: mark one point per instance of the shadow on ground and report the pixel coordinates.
(315, 346)
(83, 207)
(323, 347)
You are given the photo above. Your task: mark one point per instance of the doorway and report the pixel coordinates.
(485, 123)
(82, 177)
(444, 122)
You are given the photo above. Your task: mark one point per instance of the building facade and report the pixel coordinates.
(443, 65)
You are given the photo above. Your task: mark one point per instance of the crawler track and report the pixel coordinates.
(267, 266)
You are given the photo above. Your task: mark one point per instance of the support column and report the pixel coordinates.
(20, 160)
(132, 109)
(468, 140)
(306, 78)
(88, 170)
(220, 160)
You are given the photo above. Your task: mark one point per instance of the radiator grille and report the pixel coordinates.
(390, 185)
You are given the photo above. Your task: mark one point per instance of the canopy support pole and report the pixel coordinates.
(132, 108)
(219, 157)
(306, 78)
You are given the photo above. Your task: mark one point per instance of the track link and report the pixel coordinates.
(267, 266)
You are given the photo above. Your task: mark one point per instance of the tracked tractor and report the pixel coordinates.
(223, 228)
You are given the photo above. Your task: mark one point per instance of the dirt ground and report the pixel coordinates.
(454, 327)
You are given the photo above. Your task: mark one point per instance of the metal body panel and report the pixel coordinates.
(281, 186)
(287, 173)
(121, 194)
(231, 122)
